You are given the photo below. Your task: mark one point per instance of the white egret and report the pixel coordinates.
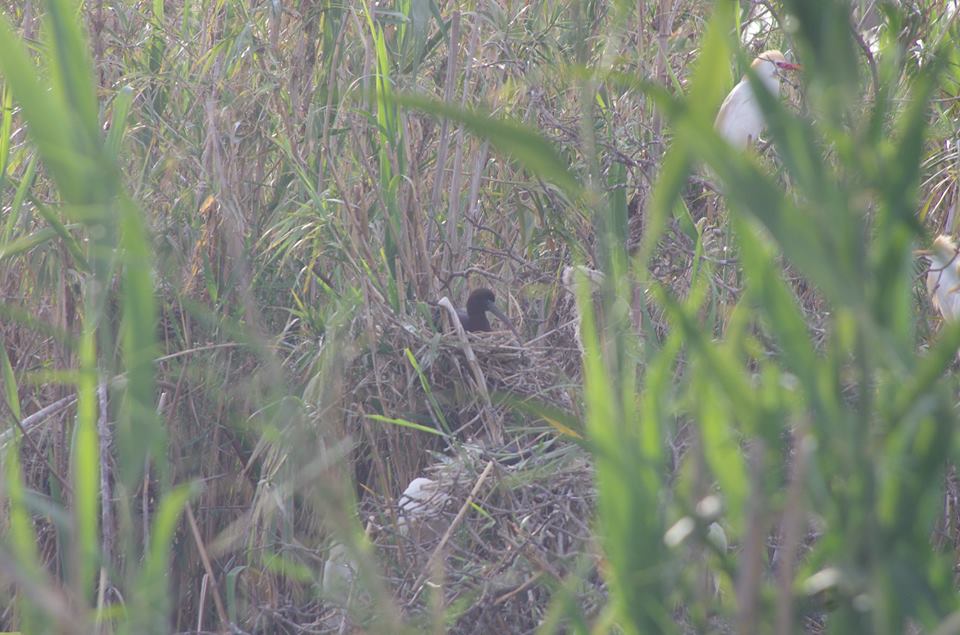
(740, 120)
(943, 279)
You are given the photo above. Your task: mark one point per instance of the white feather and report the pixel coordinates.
(740, 120)
(339, 575)
(422, 498)
(943, 279)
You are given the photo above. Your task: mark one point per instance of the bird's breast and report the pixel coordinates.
(740, 120)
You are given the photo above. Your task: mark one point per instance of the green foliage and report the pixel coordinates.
(848, 225)
(62, 115)
(512, 138)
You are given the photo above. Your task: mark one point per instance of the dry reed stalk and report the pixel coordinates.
(473, 214)
(326, 152)
(33, 422)
(424, 281)
(457, 253)
(306, 71)
(226, 181)
(490, 421)
(145, 498)
(948, 225)
(408, 271)
(449, 85)
(217, 600)
(202, 601)
(664, 31)
(102, 582)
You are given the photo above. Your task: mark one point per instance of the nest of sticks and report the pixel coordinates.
(499, 533)
(512, 495)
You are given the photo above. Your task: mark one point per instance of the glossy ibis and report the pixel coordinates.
(474, 318)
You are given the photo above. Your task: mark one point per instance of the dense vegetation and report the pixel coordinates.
(224, 231)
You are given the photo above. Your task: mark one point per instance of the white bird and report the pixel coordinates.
(339, 575)
(740, 120)
(943, 279)
(422, 499)
(572, 278)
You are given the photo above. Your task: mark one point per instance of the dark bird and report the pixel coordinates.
(474, 318)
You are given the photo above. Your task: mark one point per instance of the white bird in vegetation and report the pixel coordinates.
(421, 500)
(740, 120)
(943, 279)
(339, 575)
(572, 278)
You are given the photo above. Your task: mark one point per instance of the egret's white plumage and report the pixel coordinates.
(422, 499)
(943, 279)
(339, 575)
(572, 278)
(740, 120)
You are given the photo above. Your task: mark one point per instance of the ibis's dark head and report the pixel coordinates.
(475, 317)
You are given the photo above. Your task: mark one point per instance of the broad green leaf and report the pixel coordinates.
(23, 189)
(149, 604)
(403, 423)
(510, 137)
(85, 473)
(26, 243)
(10, 389)
(558, 418)
(23, 541)
(118, 123)
(6, 127)
(140, 433)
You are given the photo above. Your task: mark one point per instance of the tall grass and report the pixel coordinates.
(857, 432)
(115, 339)
(219, 249)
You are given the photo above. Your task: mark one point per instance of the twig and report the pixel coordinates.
(445, 282)
(490, 421)
(520, 589)
(217, 600)
(27, 426)
(453, 525)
